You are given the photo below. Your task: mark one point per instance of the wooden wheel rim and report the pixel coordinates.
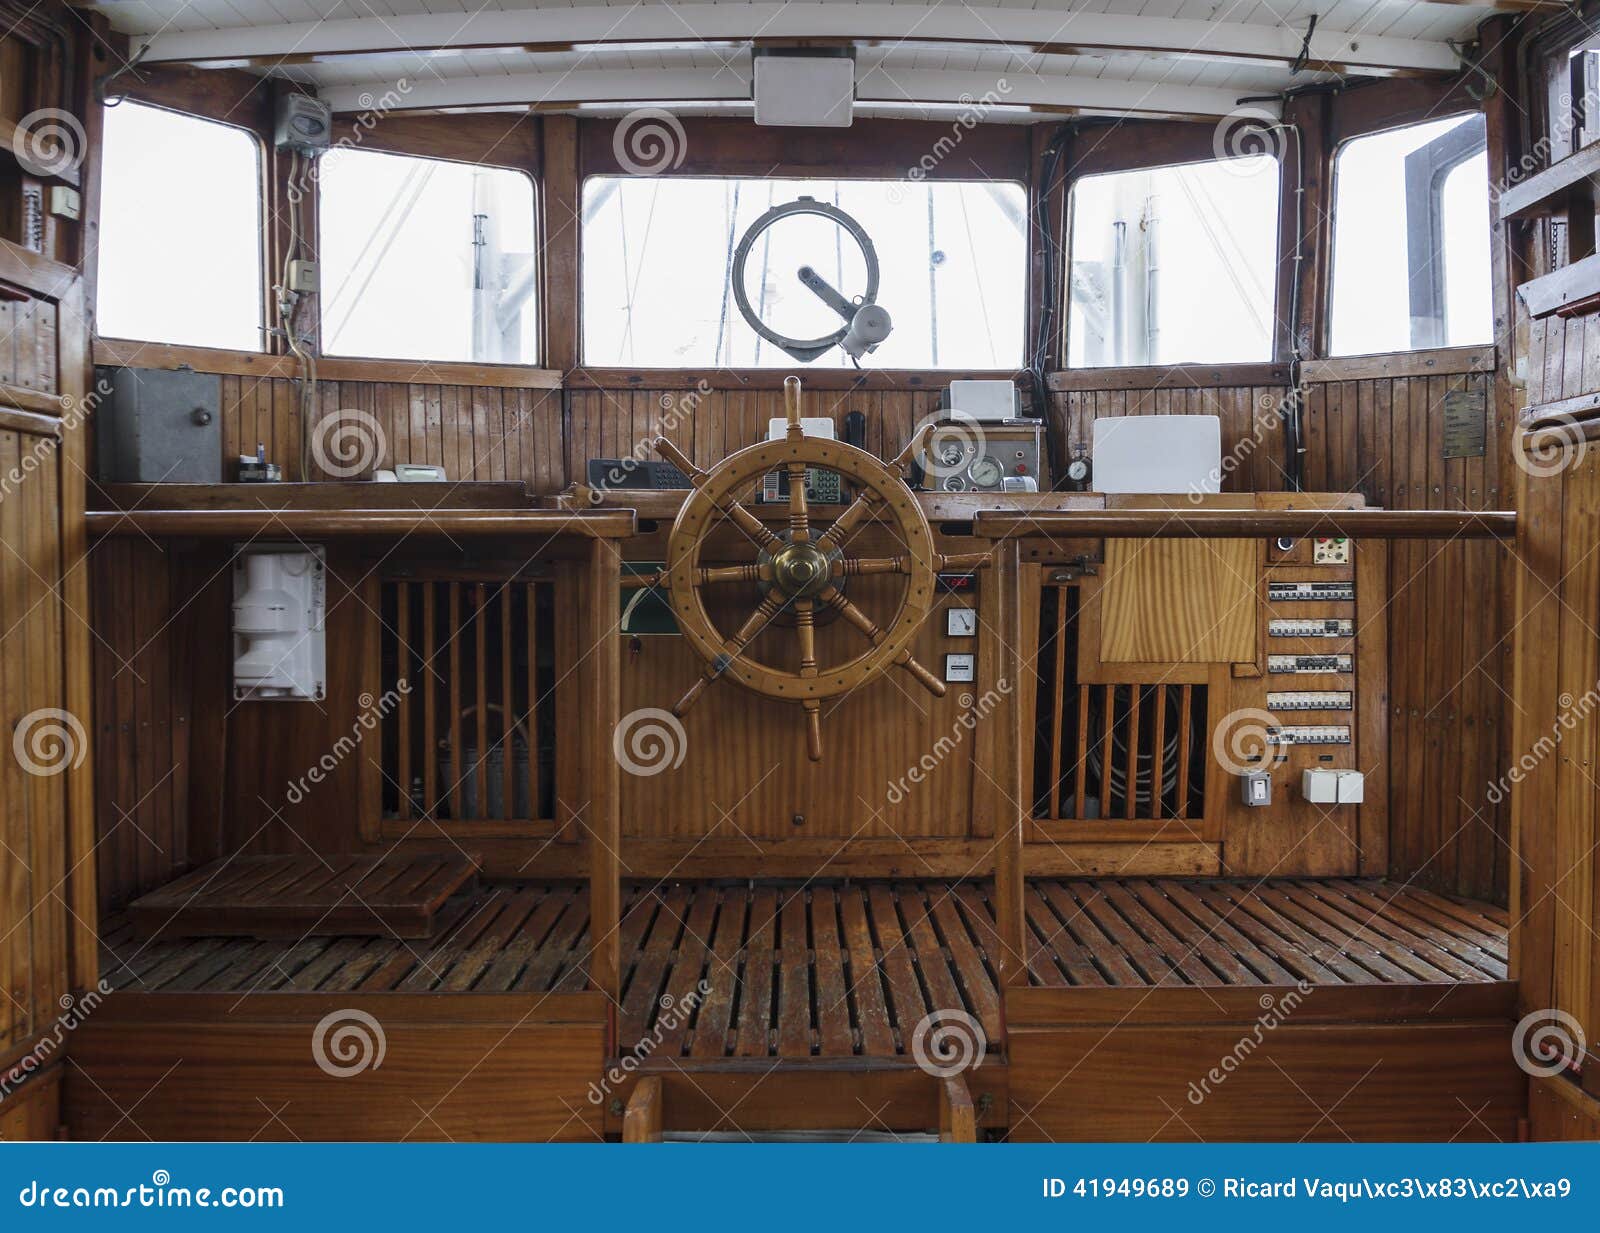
(743, 468)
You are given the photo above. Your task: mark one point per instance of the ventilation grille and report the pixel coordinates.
(471, 736)
(1107, 752)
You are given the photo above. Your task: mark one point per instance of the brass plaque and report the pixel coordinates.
(1465, 423)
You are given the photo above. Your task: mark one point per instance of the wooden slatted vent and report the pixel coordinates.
(1106, 752)
(473, 737)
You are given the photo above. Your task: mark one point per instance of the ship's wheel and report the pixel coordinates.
(798, 573)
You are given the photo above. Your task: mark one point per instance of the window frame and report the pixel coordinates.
(264, 195)
(825, 175)
(1430, 180)
(539, 286)
(1123, 166)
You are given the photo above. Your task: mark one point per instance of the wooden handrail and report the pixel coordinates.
(1248, 523)
(350, 523)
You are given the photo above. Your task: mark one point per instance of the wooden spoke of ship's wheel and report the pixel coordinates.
(806, 630)
(835, 599)
(732, 649)
(730, 508)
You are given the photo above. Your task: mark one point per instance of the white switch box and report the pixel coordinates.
(961, 622)
(1320, 787)
(960, 668)
(1352, 787)
(1323, 786)
(1255, 788)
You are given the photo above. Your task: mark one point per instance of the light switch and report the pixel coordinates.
(959, 668)
(961, 622)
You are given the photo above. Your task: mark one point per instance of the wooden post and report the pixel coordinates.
(600, 649)
(563, 191)
(1009, 797)
(958, 1123)
(641, 1122)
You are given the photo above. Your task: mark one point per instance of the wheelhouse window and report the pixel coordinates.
(424, 259)
(1411, 239)
(180, 231)
(658, 260)
(1173, 265)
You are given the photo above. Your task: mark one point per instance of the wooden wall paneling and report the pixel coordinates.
(1559, 1112)
(32, 1112)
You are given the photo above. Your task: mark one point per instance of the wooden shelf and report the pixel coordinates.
(362, 523)
(1546, 191)
(1250, 524)
(1574, 286)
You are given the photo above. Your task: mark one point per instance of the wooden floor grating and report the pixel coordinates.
(852, 969)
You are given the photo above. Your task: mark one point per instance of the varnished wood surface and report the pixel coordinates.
(1168, 602)
(347, 523)
(851, 969)
(290, 897)
(1250, 524)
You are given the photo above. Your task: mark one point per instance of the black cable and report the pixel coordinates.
(1298, 64)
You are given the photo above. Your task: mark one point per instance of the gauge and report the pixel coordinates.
(955, 483)
(952, 456)
(986, 473)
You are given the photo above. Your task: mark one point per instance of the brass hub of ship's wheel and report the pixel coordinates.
(800, 573)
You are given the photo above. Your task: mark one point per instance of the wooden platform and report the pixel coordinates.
(849, 970)
(294, 897)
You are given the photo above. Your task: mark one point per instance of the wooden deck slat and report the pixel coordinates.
(834, 1038)
(755, 982)
(686, 973)
(716, 1012)
(794, 979)
(867, 989)
(842, 970)
(905, 995)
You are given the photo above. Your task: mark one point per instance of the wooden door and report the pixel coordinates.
(47, 915)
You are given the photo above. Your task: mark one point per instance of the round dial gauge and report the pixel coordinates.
(986, 473)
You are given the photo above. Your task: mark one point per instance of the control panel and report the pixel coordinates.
(1310, 700)
(1333, 627)
(1004, 456)
(1310, 665)
(1309, 592)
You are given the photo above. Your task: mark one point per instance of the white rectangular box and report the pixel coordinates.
(1352, 787)
(804, 91)
(1320, 787)
(1158, 454)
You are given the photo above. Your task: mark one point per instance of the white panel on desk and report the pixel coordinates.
(1158, 453)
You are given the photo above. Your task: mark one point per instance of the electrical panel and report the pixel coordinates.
(1331, 550)
(1310, 700)
(1310, 592)
(1326, 628)
(1310, 734)
(1310, 665)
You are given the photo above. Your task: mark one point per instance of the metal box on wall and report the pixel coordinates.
(160, 425)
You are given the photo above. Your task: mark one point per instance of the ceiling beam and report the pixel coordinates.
(565, 29)
(876, 85)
